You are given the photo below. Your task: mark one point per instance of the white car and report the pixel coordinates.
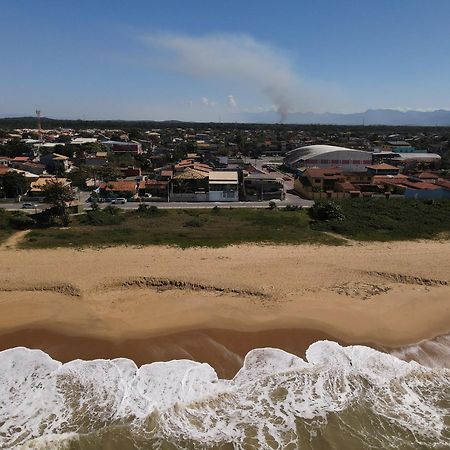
(118, 201)
(29, 206)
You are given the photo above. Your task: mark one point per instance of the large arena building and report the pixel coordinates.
(325, 156)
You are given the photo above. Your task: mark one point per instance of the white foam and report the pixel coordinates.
(186, 401)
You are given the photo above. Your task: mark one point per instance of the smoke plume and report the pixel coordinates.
(234, 57)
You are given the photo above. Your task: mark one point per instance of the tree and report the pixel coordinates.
(326, 211)
(14, 148)
(109, 173)
(15, 184)
(59, 196)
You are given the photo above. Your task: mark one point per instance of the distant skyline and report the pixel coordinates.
(218, 61)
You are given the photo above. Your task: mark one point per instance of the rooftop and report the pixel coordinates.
(311, 151)
(218, 177)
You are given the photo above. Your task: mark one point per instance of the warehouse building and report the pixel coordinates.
(327, 156)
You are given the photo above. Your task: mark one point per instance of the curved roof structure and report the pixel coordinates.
(312, 151)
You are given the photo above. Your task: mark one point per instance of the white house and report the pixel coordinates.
(223, 186)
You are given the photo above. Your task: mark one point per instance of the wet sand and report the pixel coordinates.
(225, 350)
(214, 305)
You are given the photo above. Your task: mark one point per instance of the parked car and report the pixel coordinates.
(118, 201)
(29, 205)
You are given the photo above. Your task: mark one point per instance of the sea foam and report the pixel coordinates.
(276, 400)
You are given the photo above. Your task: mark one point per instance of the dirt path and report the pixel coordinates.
(14, 240)
(339, 236)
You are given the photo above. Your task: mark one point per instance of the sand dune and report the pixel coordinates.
(387, 294)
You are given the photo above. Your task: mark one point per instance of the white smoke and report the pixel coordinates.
(207, 102)
(234, 57)
(232, 103)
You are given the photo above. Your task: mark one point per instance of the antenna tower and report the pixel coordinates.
(38, 115)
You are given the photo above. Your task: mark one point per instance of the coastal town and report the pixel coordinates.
(218, 164)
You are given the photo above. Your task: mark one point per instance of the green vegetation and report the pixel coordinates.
(14, 184)
(360, 219)
(378, 219)
(58, 196)
(183, 228)
(10, 222)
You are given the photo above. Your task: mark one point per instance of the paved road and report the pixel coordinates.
(186, 205)
(18, 207)
(290, 200)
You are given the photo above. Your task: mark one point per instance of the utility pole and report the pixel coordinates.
(38, 115)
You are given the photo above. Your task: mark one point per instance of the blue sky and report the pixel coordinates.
(211, 60)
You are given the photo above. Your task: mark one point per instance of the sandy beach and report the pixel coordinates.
(159, 303)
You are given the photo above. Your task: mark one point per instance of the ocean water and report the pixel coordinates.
(336, 398)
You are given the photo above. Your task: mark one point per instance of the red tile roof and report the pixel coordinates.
(21, 158)
(122, 186)
(419, 185)
(428, 176)
(444, 183)
(388, 179)
(156, 183)
(382, 166)
(347, 186)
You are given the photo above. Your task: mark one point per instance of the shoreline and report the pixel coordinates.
(224, 350)
(385, 295)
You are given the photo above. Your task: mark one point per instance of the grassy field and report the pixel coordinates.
(360, 219)
(10, 222)
(4, 234)
(183, 228)
(379, 219)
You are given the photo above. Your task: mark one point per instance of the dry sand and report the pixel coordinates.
(160, 303)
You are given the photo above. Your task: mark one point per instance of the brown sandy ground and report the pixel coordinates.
(148, 303)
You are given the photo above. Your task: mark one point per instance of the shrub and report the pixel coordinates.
(272, 205)
(326, 211)
(293, 208)
(113, 210)
(142, 208)
(108, 216)
(195, 223)
(21, 221)
(147, 210)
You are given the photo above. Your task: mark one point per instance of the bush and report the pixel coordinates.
(113, 210)
(326, 211)
(108, 216)
(293, 208)
(195, 223)
(21, 222)
(381, 219)
(272, 205)
(146, 210)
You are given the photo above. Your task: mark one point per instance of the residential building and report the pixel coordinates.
(223, 186)
(132, 147)
(261, 186)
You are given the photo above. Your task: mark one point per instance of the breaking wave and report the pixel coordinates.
(338, 397)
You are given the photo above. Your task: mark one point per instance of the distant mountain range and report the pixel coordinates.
(390, 117)
(439, 117)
